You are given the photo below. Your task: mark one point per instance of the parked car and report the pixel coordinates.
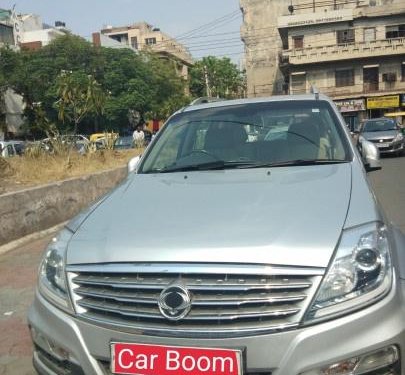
(385, 133)
(11, 148)
(222, 254)
(124, 143)
(96, 136)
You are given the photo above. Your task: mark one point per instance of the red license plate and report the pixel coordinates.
(142, 359)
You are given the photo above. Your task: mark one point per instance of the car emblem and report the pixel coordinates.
(174, 302)
(381, 140)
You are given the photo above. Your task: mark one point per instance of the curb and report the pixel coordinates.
(31, 237)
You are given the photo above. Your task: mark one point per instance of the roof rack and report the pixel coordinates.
(205, 99)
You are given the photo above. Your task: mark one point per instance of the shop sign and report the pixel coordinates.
(350, 105)
(391, 101)
(299, 20)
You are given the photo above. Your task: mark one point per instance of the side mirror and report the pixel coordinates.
(370, 154)
(133, 163)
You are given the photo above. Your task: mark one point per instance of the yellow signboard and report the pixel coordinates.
(391, 101)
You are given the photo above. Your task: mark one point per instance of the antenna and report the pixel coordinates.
(315, 91)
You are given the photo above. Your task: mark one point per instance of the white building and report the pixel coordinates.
(143, 36)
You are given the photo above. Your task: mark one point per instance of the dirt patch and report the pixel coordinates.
(21, 172)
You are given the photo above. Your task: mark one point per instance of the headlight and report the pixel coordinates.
(399, 137)
(359, 274)
(51, 279)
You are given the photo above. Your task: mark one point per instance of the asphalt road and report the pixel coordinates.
(18, 269)
(389, 186)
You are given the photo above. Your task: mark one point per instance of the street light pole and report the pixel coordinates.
(207, 83)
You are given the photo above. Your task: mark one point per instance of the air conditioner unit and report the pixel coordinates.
(389, 77)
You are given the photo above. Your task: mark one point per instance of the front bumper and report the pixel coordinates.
(391, 148)
(284, 353)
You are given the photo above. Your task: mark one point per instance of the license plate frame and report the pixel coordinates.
(162, 350)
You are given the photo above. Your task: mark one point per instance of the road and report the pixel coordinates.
(18, 270)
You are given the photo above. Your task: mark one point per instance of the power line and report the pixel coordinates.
(217, 47)
(212, 23)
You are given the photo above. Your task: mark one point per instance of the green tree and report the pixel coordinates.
(140, 82)
(169, 88)
(217, 77)
(78, 97)
(9, 65)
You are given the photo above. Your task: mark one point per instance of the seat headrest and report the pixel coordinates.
(306, 129)
(225, 135)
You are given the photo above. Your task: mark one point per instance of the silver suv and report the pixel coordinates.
(224, 253)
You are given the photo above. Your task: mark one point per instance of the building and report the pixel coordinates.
(355, 54)
(7, 29)
(35, 34)
(142, 36)
(22, 31)
(262, 42)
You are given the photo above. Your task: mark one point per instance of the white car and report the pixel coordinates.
(11, 148)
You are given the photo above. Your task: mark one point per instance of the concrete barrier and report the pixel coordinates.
(35, 209)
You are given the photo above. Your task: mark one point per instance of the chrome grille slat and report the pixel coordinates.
(198, 300)
(196, 314)
(124, 283)
(220, 302)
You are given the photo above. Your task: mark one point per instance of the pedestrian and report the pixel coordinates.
(138, 136)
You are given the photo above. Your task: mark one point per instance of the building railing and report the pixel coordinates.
(345, 51)
(173, 49)
(357, 90)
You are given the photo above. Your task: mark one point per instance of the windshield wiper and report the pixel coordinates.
(297, 162)
(209, 166)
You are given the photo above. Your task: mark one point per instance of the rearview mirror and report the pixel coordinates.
(370, 154)
(133, 163)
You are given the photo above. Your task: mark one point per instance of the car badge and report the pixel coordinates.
(174, 302)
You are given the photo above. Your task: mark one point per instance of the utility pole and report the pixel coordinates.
(207, 83)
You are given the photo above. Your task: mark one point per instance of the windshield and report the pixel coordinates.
(248, 135)
(379, 126)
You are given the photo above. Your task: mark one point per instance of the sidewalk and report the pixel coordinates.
(18, 275)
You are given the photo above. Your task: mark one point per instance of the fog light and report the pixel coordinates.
(378, 359)
(363, 364)
(49, 346)
(341, 368)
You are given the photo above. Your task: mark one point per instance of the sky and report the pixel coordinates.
(216, 23)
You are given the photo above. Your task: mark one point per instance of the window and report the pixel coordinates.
(298, 83)
(344, 77)
(298, 41)
(397, 31)
(403, 71)
(6, 34)
(150, 41)
(345, 36)
(370, 79)
(134, 42)
(122, 38)
(369, 34)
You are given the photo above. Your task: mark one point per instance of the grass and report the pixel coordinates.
(30, 170)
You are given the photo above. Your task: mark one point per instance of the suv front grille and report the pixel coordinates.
(242, 300)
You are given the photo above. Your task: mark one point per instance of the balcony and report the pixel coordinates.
(350, 51)
(173, 49)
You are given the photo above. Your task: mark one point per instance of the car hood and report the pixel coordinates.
(380, 135)
(282, 216)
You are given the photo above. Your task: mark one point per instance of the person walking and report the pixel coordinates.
(139, 137)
